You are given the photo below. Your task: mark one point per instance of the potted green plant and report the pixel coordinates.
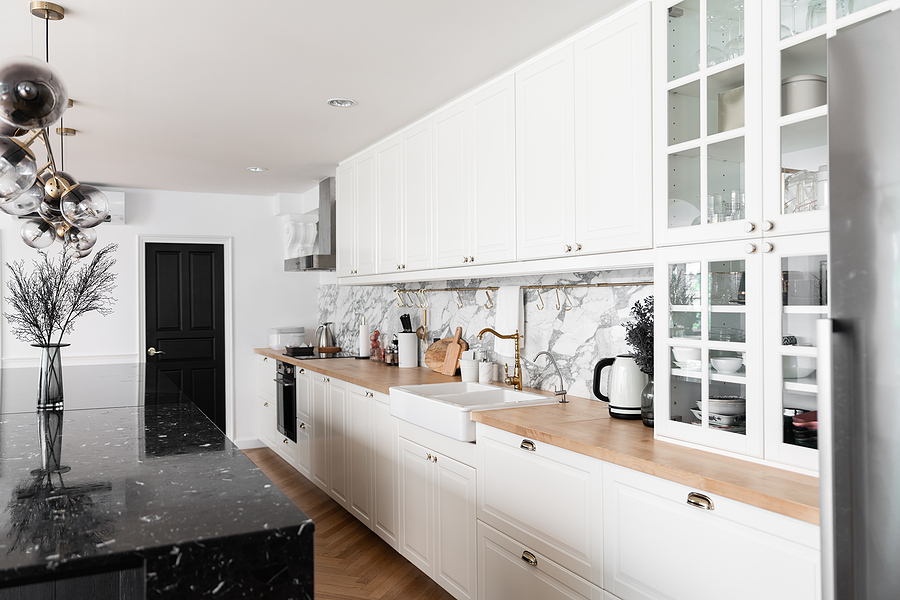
(639, 335)
(45, 303)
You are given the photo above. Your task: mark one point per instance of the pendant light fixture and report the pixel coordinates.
(32, 97)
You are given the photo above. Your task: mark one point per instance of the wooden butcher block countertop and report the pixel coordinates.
(584, 426)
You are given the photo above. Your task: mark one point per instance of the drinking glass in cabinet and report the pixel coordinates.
(798, 16)
(846, 7)
(804, 159)
(684, 300)
(683, 39)
(804, 282)
(727, 297)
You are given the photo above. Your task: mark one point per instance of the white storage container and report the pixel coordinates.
(281, 337)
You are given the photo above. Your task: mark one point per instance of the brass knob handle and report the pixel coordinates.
(398, 267)
(153, 351)
(471, 259)
(750, 248)
(402, 266)
(428, 456)
(434, 458)
(265, 403)
(465, 259)
(327, 379)
(302, 371)
(265, 358)
(568, 248)
(284, 441)
(302, 425)
(768, 225)
(530, 558)
(767, 247)
(577, 247)
(528, 445)
(700, 501)
(749, 227)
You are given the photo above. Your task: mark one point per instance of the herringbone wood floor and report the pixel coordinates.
(350, 560)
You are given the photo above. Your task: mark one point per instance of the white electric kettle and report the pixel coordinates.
(626, 381)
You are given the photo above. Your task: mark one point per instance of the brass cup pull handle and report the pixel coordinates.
(700, 501)
(530, 558)
(528, 445)
(302, 425)
(153, 351)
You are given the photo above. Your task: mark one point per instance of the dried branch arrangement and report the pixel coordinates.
(46, 302)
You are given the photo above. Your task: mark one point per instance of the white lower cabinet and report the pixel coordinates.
(329, 416)
(658, 546)
(386, 449)
(266, 420)
(303, 455)
(543, 496)
(437, 516)
(359, 446)
(509, 570)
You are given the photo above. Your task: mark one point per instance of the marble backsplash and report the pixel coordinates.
(590, 330)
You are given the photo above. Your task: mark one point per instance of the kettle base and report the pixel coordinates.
(619, 412)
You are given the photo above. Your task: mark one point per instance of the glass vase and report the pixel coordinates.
(647, 403)
(50, 381)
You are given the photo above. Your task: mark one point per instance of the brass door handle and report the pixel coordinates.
(700, 501)
(530, 558)
(528, 445)
(153, 351)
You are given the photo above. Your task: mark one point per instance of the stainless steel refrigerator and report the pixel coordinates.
(860, 434)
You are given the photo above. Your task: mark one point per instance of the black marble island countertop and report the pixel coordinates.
(132, 476)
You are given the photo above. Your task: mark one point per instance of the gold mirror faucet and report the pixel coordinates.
(516, 379)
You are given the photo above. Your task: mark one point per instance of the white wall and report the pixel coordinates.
(264, 295)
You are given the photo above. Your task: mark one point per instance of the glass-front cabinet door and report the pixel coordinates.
(708, 374)
(707, 70)
(795, 285)
(795, 110)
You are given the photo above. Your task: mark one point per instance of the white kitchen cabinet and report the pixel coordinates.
(545, 156)
(437, 517)
(345, 212)
(709, 307)
(613, 187)
(451, 192)
(658, 546)
(356, 205)
(266, 421)
(417, 197)
(389, 216)
(265, 377)
(474, 178)
(508, 570)
(303, 454)
(545, 497)
(330, 453)
(360, 416)
(385, 448)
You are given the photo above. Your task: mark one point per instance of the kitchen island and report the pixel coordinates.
(131, 492)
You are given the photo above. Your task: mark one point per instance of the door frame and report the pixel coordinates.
(226, 243)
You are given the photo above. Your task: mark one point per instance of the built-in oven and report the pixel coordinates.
(287, 400)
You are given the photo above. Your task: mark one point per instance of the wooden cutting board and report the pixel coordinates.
(451, 359)
(437, 352)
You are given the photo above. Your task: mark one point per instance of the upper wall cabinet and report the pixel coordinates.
(356, 196)
(474, 178)
(417, 199)
(613, 187)
(389, 216)
(584, 144)
(545, 156)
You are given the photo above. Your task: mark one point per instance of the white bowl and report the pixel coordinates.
(798, 367)
(726, 407)
(727, 364)
(683, 355)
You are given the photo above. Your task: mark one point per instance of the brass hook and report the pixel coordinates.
(408, 303)
(558, 305)
(541, 298)
(490, 303)
(414, 294)
(568, 300)
(459, 302)
(424, 298)
(400, 302)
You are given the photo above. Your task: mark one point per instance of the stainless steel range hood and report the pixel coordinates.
(324, 260)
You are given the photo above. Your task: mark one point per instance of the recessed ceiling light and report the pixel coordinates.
(257, 169)
(342, 102)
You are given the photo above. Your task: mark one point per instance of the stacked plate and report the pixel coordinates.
(726, 413)
(806, 429)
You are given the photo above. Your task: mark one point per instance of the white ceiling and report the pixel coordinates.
(185, 94)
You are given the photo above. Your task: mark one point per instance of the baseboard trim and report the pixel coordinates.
(248, 443)
(116, 359)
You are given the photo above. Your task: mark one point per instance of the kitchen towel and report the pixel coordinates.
(510, 317)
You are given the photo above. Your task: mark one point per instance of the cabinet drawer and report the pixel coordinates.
(543, 496)
(657, 546)
(265, 376)
(505, 574)
(266, 420)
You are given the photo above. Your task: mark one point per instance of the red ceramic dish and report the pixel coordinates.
(808, 420)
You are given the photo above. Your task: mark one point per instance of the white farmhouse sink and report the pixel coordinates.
(445, 407)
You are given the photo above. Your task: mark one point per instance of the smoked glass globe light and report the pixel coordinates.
(32, 94)
(84, 206)
(17, 168)
(10, 131)
(25, 203)
(37, 233)
(80, 240)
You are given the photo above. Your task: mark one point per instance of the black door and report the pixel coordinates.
(186, 320)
